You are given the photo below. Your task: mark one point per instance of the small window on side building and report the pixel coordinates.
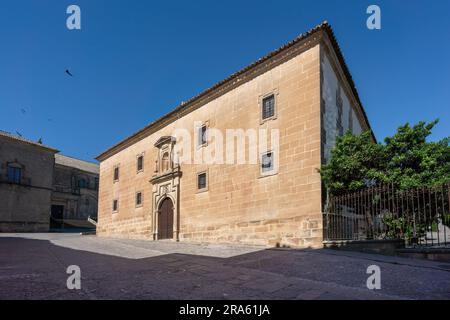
(14, 174)
(115, 205)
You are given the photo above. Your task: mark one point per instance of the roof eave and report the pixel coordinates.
(30, 143)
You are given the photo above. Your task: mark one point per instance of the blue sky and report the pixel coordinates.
(133, 61)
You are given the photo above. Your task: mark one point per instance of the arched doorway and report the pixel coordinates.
(165, 219)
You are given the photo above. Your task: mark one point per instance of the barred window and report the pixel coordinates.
(268, 107)
(140, 163)
(267, 162)
(138, 198)
(339, 105)
(202, 138)
(350, 120)
(14, 174)
(82, 183)
(201, 181)
(116, 173)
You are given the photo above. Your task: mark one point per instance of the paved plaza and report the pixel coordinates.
(33, 266)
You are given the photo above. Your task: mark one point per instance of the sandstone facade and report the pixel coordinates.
(75, 191)
(239, 202)
(26, 173)
(40, 189)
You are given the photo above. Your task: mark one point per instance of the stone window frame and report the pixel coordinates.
(206, 188)
(139, 205)
(140, 155)
(197, 129)
(116, 167)
(274, 171)
(261, 98)
(116, 204)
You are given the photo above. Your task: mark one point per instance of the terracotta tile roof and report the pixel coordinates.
(235, 76)
(18, 138)
(77, 163)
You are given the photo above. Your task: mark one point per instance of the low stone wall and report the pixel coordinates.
(386, 247)
(24, 226)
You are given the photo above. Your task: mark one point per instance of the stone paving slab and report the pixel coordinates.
(33, 266)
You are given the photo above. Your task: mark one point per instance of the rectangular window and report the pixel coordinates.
(82, 184)
(116, 173)
(138, 199)
(268, 107)
(201, 181)
(14, 174)
(339, 105)
(115, 205)
(140, 163)
(202, 138)
(267, 162)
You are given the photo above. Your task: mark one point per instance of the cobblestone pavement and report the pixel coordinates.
(33, 266)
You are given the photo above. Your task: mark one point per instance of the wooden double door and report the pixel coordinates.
(165, 219)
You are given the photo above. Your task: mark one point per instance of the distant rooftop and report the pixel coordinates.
(77, 163)
(22, 139)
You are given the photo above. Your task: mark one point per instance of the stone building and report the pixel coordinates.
(75, 191)
(301, 96)
(26, 179)
(36, 184)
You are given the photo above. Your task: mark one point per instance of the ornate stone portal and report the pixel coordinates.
(166, 184)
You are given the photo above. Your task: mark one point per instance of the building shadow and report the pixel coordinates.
(37, 269)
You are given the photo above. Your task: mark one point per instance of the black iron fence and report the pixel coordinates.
(420, 216)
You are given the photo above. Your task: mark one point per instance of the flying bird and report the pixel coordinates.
(68, 72)
(23, 111)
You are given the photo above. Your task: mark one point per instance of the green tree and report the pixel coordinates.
(414, 162)
(406, 160)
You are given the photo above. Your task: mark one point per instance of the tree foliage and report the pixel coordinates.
(406, 160)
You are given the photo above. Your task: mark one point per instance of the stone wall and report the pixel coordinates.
(338, 113)
(79, 199)
(25, 206)
(240, 205)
